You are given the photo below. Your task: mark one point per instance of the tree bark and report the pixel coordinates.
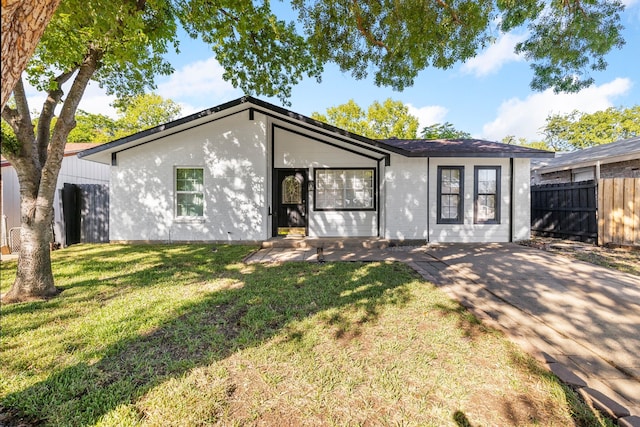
(37, 165)
(23, 23)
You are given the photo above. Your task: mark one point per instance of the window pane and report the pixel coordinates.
(450, 181)
(486, 207)
(344, 189)
(449, 207)
(190, 204)
(487, 182)
(487, 194)
(189, 192)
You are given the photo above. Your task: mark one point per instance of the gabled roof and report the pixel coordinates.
(408, 148)
(619, 151)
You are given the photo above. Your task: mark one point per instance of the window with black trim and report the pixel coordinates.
(486, 194)
(189, 192)
(344, 189)
(450, 194)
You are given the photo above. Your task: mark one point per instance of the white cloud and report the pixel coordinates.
(94, 100)
(525, 118)
(428, 115)
(495, 56)
(200, 80)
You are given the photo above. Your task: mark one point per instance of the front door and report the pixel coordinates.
(290, 202)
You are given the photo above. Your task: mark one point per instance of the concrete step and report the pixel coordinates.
(302, 242)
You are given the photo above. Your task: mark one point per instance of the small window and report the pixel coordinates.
(344, 189)
(487, 195)
(450, 193)
(583, 174)
(189, 192)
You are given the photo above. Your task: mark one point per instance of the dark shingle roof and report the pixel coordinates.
(409, 148)
(462, 148)
(626, 149)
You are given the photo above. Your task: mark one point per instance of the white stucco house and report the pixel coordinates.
(249, 171)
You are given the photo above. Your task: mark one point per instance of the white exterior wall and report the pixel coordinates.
(292, 150)
(522, 199)
(233, 153)
(406, 204)
(468, 232)
(72, 171)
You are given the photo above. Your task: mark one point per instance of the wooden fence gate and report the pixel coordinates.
(565, 210)
(619, 211)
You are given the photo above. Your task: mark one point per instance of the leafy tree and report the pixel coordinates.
(91, 128)
(23, 22)
(143, 112)
(538, 145)
(381, 121)
(577, 130)
(443, 131)
(121, 44)
(396, 39)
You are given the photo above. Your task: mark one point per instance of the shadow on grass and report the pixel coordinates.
(264, 301)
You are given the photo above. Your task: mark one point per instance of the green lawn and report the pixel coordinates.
(189, 335)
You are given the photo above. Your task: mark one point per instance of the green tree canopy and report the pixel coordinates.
(443, 131)
(144, 112)
(381, 121)
(577, 130)
(538, 145)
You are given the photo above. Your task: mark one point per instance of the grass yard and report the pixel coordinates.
(189, 335)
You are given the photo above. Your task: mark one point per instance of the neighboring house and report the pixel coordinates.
(72, 171)
(249, 171)
(619, 159)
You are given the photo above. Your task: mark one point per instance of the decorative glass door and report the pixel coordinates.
(290, 202)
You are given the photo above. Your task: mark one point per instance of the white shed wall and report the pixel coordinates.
(72, 171)
(233, 153)
(292, 150)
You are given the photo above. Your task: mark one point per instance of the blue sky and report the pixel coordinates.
(488, 96)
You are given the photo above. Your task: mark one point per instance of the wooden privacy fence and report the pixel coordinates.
(619, 211)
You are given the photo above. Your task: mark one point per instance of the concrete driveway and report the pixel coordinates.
(584, 316)
(584, 320)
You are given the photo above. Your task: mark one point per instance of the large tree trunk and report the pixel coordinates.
(37, 164)
(23, 23)
(34, 279)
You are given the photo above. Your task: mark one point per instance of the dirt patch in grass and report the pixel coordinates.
(623, 259)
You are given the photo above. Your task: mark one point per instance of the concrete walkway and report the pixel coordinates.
(580, 319)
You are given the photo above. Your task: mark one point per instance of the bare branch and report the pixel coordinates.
(43, 132)
(66, 122)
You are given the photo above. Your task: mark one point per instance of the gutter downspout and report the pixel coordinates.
(428, 199)
(511, 202)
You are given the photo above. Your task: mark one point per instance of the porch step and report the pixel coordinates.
(302, 242)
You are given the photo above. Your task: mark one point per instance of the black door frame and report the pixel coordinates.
(276, 197)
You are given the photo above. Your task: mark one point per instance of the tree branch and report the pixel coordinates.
(65, 123)
(364, 31)
(43, 132)
(454, 15)
(21, 120)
